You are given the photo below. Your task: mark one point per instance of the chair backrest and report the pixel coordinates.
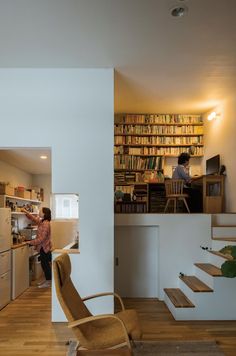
(174, 186)
(69, 299)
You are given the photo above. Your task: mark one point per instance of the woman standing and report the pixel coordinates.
(43, 242)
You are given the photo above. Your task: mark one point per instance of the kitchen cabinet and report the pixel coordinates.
(20, 270)
(5, 278)
(5, 257)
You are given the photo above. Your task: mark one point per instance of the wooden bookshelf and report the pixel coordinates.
(142, 145)
(143, 142)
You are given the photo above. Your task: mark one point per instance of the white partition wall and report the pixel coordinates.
(71, 111)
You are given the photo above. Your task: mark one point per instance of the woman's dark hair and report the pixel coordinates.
(183, 158)
(47, 214)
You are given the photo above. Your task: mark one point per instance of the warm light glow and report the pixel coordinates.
(213, 115)
(43, 157)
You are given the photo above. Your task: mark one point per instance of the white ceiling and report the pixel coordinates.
(162, 64)
(28, 159)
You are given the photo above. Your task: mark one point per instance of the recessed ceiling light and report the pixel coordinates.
(179, 11)
(43, 157)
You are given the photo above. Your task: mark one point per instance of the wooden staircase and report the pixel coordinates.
(207, 295)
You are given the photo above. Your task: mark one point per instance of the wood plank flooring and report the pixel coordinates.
(26, 329)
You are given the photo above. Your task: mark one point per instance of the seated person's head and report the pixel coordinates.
(183, 159)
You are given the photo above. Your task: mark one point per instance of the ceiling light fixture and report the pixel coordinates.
(179, 11)
(43, 157)
(213, 115)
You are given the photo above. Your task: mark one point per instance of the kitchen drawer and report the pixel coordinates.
(5, 289)
(5, 262)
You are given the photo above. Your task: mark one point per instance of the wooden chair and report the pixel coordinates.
(92, 332)
(174, 192)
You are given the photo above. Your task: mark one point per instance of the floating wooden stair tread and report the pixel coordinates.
(195, 284)
(224, 226)
(231, 239)
(210, 269)
(178, 298)
(223, 255)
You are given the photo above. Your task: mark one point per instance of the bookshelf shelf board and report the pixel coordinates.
(174, 156)
(158, 124)
(149, 155)
(157, 134)
(158, 145)
(141, 155)
(131, 202)
(136, 170)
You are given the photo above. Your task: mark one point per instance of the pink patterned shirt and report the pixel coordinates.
(43, 238)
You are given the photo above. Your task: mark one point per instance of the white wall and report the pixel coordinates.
(16, 177)
(71, 111)
(43, 181)
(220, 139)
(179, 239)
(63, 232)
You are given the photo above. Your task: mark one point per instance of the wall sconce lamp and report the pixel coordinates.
(213, 115)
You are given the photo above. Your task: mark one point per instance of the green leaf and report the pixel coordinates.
(227, 250)
(228, 269)
(233, 253)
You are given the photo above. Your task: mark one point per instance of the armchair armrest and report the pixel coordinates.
(105, 294)
(89, 319)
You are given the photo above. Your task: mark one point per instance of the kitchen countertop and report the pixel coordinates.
(18, 245)
(67, 249)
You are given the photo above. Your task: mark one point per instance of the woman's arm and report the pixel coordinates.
(35, 219)
(43, 233)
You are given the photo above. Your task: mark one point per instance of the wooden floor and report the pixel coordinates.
(25, 327)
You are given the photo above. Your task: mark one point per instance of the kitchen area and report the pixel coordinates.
(28, 186)
(19, 262)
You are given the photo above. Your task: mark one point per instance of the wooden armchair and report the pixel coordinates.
(174, 191)
(92, 332)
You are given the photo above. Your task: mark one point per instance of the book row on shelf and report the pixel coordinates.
(158, 140)
(158, 119)
(161, 151)
(148, 198)
(137, 162)
(130, 208)
(157, 130)
(127, 177)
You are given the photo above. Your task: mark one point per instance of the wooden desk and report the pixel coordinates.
(124, 351)
(212, 193)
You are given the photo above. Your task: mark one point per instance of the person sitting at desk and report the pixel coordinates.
(181, 172)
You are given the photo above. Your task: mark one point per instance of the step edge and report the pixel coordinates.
(222, 255)
(210, 274)
(190, 304)
(230, 239)
(209, 290)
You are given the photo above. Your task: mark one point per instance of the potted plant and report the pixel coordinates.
(228, 268)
